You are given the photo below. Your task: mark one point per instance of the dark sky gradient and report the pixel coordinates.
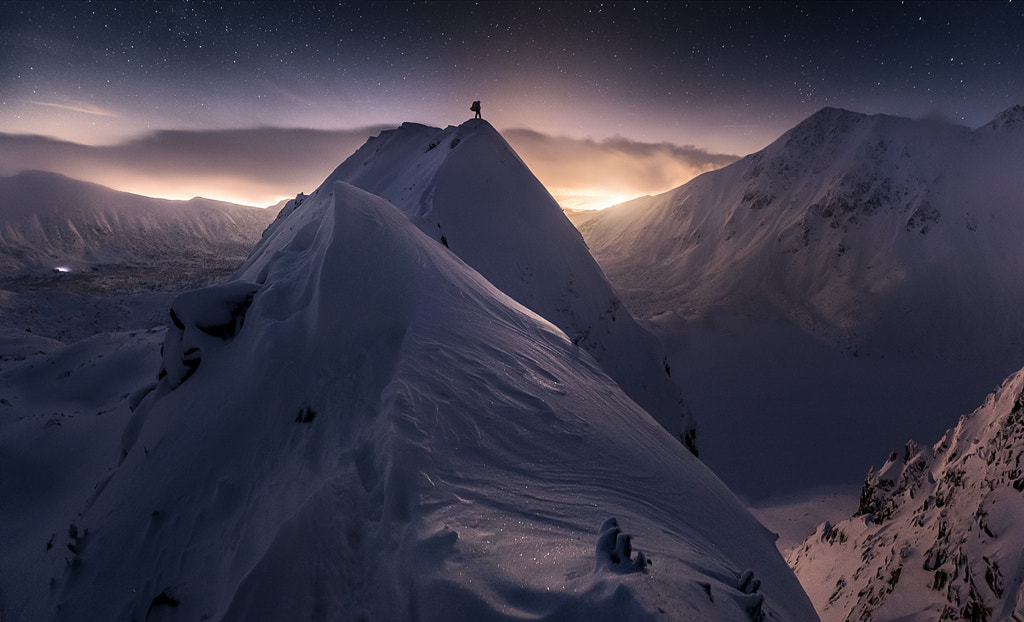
(726, 77)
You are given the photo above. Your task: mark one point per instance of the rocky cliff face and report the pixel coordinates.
(937, 534)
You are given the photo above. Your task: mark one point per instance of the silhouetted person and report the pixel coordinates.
(476, 108)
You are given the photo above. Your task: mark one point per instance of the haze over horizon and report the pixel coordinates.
(255, 102)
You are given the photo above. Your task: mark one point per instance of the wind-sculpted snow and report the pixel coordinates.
(383, 435)
(938, 533)
(466, 188)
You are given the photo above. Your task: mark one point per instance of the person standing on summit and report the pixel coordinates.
(476, 108)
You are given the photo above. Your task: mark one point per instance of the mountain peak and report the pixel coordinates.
(822, 128)
(831, 113)
(833, 117)
(465, 187)
(1011, 120)
(878, 235)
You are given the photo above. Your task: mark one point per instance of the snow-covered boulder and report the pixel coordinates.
(387, 436)
(938, 534)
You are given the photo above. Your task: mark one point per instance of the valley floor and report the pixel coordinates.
(795, 516)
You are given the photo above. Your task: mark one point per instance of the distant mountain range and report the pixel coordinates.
(77, 259)
(116, 242)
(873, 233)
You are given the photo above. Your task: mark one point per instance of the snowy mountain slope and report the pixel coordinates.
(61, 416)
(870, 231)
(834, 294)
(466, 188)
(938, 533)
(359, 426)
(110, 241)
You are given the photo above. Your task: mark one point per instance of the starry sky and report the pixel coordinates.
(129, 93)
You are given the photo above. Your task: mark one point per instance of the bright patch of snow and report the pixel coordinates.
(794, 516)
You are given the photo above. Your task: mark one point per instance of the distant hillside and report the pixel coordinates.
(60, 233)
(868, 231)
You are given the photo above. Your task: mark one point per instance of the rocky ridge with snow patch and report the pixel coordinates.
(938, 533)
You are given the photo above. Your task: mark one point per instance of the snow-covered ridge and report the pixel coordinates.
(467, 189)
(937, 535)
(1009, 120)
(359, 426)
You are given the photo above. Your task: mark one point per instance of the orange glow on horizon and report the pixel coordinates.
(590, 199)
(181, 188)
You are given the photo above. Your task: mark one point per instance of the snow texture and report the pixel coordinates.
(833, 292)
(938, 533)
(466, 188)
(360, 426)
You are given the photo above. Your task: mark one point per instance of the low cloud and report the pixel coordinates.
(75, 107)
(616, 168)
(260, 166)
(255, 166)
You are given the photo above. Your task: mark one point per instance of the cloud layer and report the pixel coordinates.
(260, 166)
(580, 173)
(255, 166)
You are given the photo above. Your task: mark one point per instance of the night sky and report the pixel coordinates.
(705, 78)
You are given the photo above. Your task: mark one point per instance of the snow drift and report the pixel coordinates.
(466, 188)
(359, 426)
(938, 533)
